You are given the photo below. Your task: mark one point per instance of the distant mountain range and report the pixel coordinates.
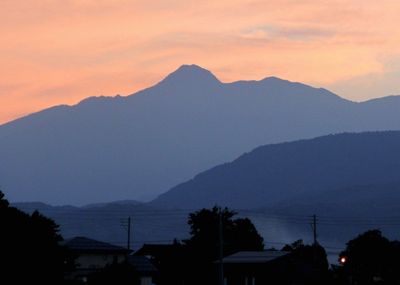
(139, 146)
(330, 170)
(108, 222)
(350, 181)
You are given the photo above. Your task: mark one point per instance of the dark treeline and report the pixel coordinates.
(370, 258)
(30, 244)
(30, 251)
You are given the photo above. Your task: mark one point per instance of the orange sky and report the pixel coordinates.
(61, 51)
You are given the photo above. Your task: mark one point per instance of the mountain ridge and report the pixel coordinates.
(193, 70)
(272, 173)
(191, 67)
(139, 146)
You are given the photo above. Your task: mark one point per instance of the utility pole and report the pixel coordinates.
(126, 224)
(314, 227)
(221, 249)
(315, 244)
(129, 233)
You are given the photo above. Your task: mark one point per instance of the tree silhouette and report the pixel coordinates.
(294, 245)
(29, 246)
(3, 202)
(203, 245)
(307, 264)
(372, 258)
(238, 234)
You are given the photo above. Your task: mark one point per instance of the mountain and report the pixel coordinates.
(137, 147)
(342, 214)
(305, 172)
(114, 203)
(108, 222)
(350, 181)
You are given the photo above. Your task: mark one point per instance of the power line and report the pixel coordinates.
(184, 212)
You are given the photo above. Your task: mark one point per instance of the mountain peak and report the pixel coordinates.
(191, 74)
(192, 68)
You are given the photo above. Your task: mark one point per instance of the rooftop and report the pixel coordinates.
(255, 256)
(83, 244)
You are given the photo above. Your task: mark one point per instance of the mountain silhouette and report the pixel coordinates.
(299, 174)
(139, 146)
(350, 181)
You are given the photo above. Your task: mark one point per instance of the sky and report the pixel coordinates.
(59, 52)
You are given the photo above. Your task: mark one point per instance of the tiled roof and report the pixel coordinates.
(83, 244)
(160, 249)
(254, 256)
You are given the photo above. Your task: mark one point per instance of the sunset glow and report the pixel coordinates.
(59, 52)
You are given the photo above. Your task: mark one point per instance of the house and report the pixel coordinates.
(254, 267)
(305, 265)
(92, 255)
